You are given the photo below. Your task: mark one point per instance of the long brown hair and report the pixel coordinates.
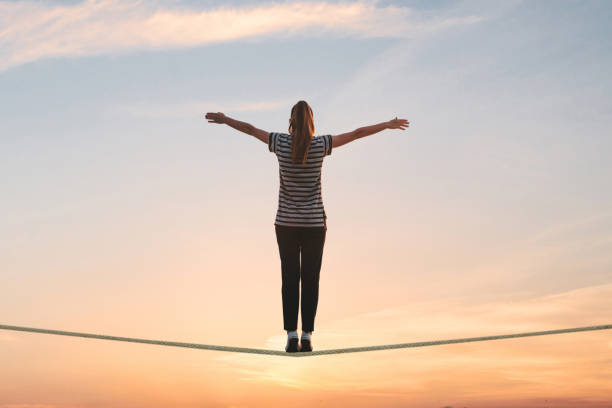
(301, 129)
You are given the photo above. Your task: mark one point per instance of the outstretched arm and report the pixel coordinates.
(339, 140)
(238, 125)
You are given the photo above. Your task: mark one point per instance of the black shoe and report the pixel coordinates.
(305, 345)
(292, 345)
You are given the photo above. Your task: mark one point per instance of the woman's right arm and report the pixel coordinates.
(344, 138)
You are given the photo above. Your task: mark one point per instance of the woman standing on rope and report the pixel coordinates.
(301, 222)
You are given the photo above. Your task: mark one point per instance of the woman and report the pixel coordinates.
(301, 222)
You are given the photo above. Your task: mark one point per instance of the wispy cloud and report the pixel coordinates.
(195, 108)
(33, 30)
(445, 319)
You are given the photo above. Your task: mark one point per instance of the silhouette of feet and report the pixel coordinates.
(305, 345)
(292, 345)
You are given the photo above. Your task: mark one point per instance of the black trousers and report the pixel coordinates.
(308, 243)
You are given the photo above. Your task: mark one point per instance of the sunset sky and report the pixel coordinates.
(124, 212)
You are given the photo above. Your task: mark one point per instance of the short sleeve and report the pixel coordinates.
(327, 140)
(272, 141)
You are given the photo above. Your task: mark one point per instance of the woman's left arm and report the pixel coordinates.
(238, 125)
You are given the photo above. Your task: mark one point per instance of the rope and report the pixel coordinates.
(305, 354)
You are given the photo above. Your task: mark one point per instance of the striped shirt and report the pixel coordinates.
(299, 197)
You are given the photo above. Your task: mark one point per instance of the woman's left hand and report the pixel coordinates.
(218, 117)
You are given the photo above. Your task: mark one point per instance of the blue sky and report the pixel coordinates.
(508, 102)
(125, 212)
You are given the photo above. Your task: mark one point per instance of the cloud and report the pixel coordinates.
(561, 230)
(195, 108)
(33, 30)
(409, 370)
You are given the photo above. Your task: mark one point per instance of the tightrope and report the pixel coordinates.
(305, 354)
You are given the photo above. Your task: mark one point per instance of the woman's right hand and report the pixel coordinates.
(397, 123)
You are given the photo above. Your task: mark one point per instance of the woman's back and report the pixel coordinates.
(300, 202)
